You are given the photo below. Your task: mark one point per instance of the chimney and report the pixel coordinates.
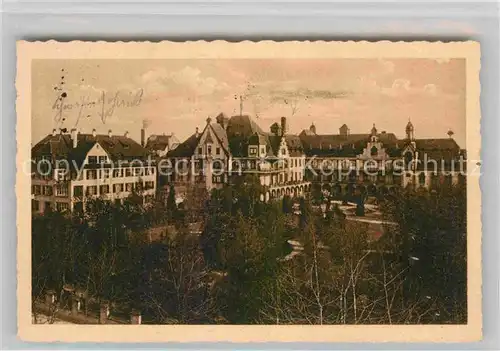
(54, 132)
(74, 137)
(103, 313)
(143, 137)
(135, 317)
(284, 129)
(94, 133)
(110, 133)
(126, 134)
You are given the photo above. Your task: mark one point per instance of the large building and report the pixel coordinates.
(379, 162)
(237, 146)
(70, 168)
(342, 164)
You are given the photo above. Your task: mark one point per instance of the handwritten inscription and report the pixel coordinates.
(103, 106)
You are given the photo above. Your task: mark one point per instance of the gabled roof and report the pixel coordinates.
(438, 149)
(221, 134)
(239, 130)
(60, 146)
(186, 148)
(437, 144)
(242, 125)
(158, 142)
(334, 145)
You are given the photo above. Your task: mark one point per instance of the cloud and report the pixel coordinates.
(431, 89)
(187, 80)
(306, 94)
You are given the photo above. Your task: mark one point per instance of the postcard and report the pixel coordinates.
(248, 192)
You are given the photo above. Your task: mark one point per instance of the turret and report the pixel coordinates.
(409, 131)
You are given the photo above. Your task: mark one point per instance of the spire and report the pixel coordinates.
(409, 130)
(312, 128)
(374, 130)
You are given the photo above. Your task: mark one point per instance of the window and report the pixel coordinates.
(216, 179)
(252, 150)
(35, 189)
(128, 172)
(129, 187)
(35, 205)
(46, 190)
(105, 173)
(117, 188)
(116, 173)
(92, 190)
(78, 190)
(61, 190)
(374, 151)
(209, 149)
(138, 186)
(200, 151)
(62, 206)
(263, 150)
(103, 159)
(92, 159)
(61, 173)
(92, 174)
(421, 178)
(217, 151)
(104, 189)
(149, 185)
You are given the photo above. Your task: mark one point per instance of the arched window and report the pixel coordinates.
(421, 178)
(408, 158)
(374, 151)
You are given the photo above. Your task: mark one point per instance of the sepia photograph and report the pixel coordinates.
(223, 188)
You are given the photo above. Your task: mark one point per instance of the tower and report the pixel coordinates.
(312, 128)
(410, 131)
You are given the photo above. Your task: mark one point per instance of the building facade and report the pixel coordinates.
(237, 146)
(68, 169)
(342, 164)
(379, 162)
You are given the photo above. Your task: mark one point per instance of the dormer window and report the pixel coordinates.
(209, 149)
(252, 150)
(374, 151)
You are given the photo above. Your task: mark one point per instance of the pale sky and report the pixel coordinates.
(178, 95)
